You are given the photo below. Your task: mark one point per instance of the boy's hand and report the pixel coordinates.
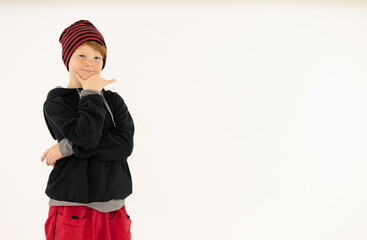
(52, 155)
(94, 82)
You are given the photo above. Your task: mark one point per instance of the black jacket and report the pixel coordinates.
(97, 171)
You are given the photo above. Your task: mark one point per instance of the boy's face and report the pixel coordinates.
(85, 61)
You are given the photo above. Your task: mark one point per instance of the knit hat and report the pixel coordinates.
(77, 33)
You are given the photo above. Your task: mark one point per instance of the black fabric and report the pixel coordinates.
(98, 170)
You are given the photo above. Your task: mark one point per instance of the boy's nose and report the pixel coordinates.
(89, 63)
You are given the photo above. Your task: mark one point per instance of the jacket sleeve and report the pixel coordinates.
(117, 144)
(83, 128)
(65, 147)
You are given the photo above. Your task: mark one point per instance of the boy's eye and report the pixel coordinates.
(81, 55)
(98, 58)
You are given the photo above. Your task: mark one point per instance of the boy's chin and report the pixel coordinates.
(85, 76)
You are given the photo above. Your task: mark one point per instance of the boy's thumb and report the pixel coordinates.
(77, 76)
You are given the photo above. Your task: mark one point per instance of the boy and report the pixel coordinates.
(90, 178)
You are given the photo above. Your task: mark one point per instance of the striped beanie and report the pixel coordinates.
(77, 33)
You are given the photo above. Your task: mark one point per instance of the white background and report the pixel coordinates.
(250, 118)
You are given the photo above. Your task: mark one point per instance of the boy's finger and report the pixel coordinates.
(51, 159)
(48, 158)
(78, 77)
(43, 155)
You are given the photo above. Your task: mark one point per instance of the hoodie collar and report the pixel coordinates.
(61, 91)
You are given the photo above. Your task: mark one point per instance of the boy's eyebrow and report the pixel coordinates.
(85, 53)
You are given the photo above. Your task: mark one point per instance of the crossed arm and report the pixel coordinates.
(115, 145)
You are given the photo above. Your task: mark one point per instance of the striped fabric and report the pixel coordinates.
(77, 33)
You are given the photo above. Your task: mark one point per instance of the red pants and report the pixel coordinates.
(81, 222)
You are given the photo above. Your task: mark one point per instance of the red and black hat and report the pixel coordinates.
(77, 33)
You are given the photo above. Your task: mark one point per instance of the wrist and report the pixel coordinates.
(85, 92)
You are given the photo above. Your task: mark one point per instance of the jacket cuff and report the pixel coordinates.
(86, 92)
(65, 147)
